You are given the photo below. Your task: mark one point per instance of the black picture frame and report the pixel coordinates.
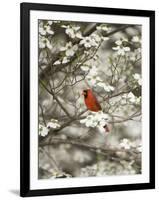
(25, 9)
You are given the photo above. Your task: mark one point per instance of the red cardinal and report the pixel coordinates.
(92, 103)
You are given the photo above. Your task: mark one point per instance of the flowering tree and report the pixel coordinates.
(74, 56)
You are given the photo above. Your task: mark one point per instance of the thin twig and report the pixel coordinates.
(42, 113)
(57, 100)
(109, 152)
(52, 160)
(55, 58)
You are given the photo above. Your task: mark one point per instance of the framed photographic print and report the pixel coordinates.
(87, 99)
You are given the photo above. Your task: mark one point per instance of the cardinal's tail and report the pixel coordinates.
(106, 128)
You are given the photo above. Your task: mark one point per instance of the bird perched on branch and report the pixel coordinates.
(93, 104)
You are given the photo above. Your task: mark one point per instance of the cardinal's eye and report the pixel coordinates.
(84, 92)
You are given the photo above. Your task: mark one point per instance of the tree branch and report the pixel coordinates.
(57, 100)
(108, 152)
(42, 113)
(56, 57)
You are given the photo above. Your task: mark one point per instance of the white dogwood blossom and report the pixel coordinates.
(43, 131)
(125, 143)
(104, 27)
(135, 55)
(85, 68)
(89, 121)
(53, 22)
(88, 42)
(100, 115)
(130, 97)
(95, 119)
(63, 60)
(44, 42)
(132, 56)
(94, 79)
(118, 42)
(58, 62)
(137, 77)
(46, 29)
(93, 70)
(139, 148)
(104, 38)
(106, 87)
(95, 37)
(50, 22)
(94, 40)
(72, 31)
(136, 39)
(53, 124)
(120, 47)
(138, 51)
(69, 49)
(121, 50)
(92, 76)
